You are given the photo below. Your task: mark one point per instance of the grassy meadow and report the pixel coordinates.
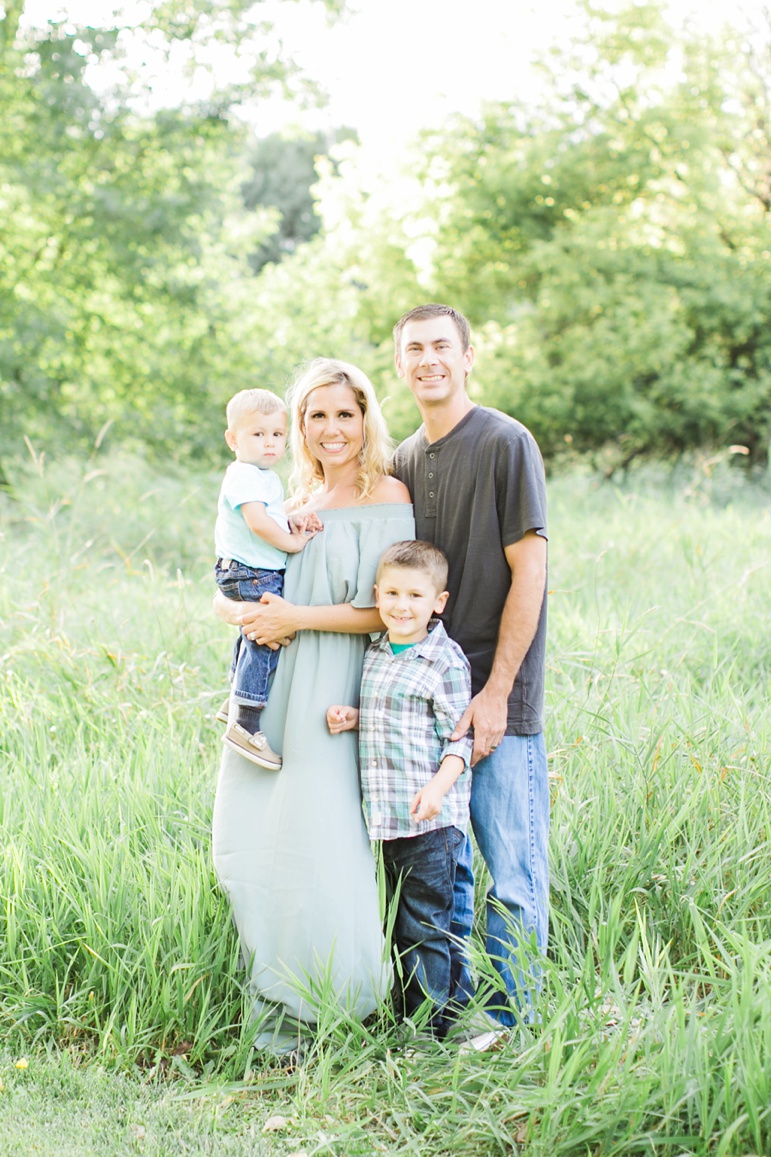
(120, 1007)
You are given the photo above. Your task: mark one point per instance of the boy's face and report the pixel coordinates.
(259, 439)
(406, 599)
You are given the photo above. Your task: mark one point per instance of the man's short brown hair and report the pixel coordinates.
(414, 554)
(424, 312)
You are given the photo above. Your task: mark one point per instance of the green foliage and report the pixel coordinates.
(610, 246)
(124, 280)
(619, 252)
(281, 172)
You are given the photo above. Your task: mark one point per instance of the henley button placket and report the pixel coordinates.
(431, 471)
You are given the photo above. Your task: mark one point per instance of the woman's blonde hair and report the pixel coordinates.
(377, 449)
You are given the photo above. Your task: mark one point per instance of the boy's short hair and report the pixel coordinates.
(253, 402)
(434, 309)
(415, 554)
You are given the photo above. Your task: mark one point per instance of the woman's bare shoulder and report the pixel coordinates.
(390, 489)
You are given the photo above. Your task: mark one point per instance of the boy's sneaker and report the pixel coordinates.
(486, 1042)
(223, 712)
(479, 1033)
(253, 747)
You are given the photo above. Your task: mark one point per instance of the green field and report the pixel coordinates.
(119, 976)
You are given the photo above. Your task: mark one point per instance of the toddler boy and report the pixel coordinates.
(416, 782)
(252, 539)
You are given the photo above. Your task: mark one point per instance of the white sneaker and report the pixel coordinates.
(253, 747)
(479, 1033)
(486, 1042)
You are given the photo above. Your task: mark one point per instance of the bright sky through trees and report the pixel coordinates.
(389, 68)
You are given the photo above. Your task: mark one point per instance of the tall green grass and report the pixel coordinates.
(116, 947)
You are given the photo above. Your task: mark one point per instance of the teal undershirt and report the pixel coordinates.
(397, 648)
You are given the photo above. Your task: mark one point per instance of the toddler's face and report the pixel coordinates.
(259, 439)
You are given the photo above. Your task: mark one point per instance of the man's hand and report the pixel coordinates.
(487, 713)
(342, 719)
(427, 802)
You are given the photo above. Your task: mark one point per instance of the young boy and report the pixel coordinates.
(252, 539)
(416, 783)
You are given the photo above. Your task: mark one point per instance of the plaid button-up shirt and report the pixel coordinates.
(410, 703)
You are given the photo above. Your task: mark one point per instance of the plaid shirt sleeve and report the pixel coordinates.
(451, 698)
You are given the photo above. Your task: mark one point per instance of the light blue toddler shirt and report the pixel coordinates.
(242, 483)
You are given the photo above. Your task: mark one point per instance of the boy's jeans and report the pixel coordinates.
(425, 864)
(252, 664)
(510, 818)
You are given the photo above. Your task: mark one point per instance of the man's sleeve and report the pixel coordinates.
(520, 488)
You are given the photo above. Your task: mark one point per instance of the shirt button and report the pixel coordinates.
(430, 476)
(430, 494)
(432, 455)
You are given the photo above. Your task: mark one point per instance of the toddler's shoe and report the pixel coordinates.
(223, 712)
(253, 747)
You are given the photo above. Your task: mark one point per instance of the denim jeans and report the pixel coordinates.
(252, 664)
(510, 819)
(425, 866)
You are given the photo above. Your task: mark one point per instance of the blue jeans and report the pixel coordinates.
(510, 818)
(252, 664)
(425, 867)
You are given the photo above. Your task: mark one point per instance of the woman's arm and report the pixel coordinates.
(229, 610)
(273, 618)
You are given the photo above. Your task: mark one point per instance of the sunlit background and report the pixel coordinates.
(201, 194)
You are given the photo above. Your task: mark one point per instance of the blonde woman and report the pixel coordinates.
(290, 847)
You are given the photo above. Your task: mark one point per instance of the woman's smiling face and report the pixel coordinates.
(333, 426)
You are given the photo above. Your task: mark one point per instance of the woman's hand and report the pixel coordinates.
(270, 621)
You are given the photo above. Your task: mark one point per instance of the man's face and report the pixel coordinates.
(433, 362)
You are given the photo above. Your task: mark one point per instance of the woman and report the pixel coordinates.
(290, 847)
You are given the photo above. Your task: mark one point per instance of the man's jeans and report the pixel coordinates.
(510, 818)
(425, 865)
(252, 664)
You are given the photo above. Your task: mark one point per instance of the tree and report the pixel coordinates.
(611, 248)
(615, 249)
(282, 171)
(124, 280)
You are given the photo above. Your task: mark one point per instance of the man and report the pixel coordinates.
(477, 483)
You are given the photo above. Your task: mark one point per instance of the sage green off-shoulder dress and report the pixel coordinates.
(290, 847)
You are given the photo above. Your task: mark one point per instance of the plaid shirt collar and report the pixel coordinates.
(426, 648)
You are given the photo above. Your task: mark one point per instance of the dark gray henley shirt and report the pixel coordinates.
(475, 491)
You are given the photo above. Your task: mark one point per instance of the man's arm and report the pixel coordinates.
(487, 711)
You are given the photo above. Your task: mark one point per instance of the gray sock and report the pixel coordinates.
(249, 718)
